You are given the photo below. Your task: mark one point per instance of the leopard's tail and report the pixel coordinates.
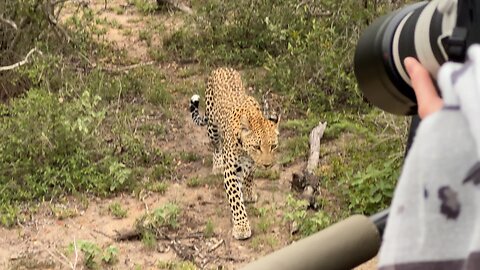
(196, 117)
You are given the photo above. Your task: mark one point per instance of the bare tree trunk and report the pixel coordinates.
(315, 136)
(306, 182)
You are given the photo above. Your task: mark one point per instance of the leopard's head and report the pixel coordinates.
(259, 138)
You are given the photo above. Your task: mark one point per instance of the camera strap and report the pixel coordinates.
(466, 31)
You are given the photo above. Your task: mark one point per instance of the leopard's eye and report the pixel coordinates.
(257, 147)
(273, 147)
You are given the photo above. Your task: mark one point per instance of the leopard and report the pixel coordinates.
(243, 138)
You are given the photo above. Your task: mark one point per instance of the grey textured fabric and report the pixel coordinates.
(434, 222)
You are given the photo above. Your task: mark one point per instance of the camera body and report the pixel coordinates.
(433, 32)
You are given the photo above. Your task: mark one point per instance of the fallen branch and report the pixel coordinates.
(9, 22)
(21, 63)
(219, 243)
(76, 253)
(61, 258)
(183, 252)
(127, 235)
(104, 234)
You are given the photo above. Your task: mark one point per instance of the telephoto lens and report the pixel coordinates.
(417, 30)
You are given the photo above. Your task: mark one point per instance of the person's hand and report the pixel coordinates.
(427, 98)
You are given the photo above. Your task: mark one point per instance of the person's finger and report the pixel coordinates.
(427, 98)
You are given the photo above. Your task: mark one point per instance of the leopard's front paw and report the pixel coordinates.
(242, 231)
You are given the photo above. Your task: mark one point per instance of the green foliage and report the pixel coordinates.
(164, 168)
(164, 217)
(93, 254)
(308, 223)
(209, 230)
(117, 210)
(265, 219)
(267, 174)
(210, 180)
(145, 82)
(149, 240)
(306, 48)
(145, 35)
(373, 188)
(110, 255)
(189, 156)
(294, 148)
(193, 182)
(59, 153)
(259, 243)
(90, 252)
(159, 187)
(363, 174)
(8, 215)
(144, 6)
(62, 212)
(172, 265)
(167, 215)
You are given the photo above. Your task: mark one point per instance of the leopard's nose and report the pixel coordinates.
(267, 165)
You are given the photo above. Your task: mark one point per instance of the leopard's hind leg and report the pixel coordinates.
(214, 135)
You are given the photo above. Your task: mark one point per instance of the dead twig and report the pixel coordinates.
(219, 243)
(61, 258)
(76, 253)
(21, 63)
(104, 234)
(9, 22)
(182, 251)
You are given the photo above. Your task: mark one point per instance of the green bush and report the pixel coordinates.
(152, 224)
(306, 47)
(307, 222)
(365, 163)
(360, 158)
(49, 146)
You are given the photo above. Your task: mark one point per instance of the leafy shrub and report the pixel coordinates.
(307, 222)
(363, 174)
(117, 210)
(92, 253)
(164, 217)
(57, 153)
(110, 255)
(89, 250)
(307, 48)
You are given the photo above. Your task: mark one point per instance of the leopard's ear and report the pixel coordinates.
(273, 118)
(278, 124)
(276, 119)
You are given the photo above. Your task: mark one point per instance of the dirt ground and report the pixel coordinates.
(41, 243)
